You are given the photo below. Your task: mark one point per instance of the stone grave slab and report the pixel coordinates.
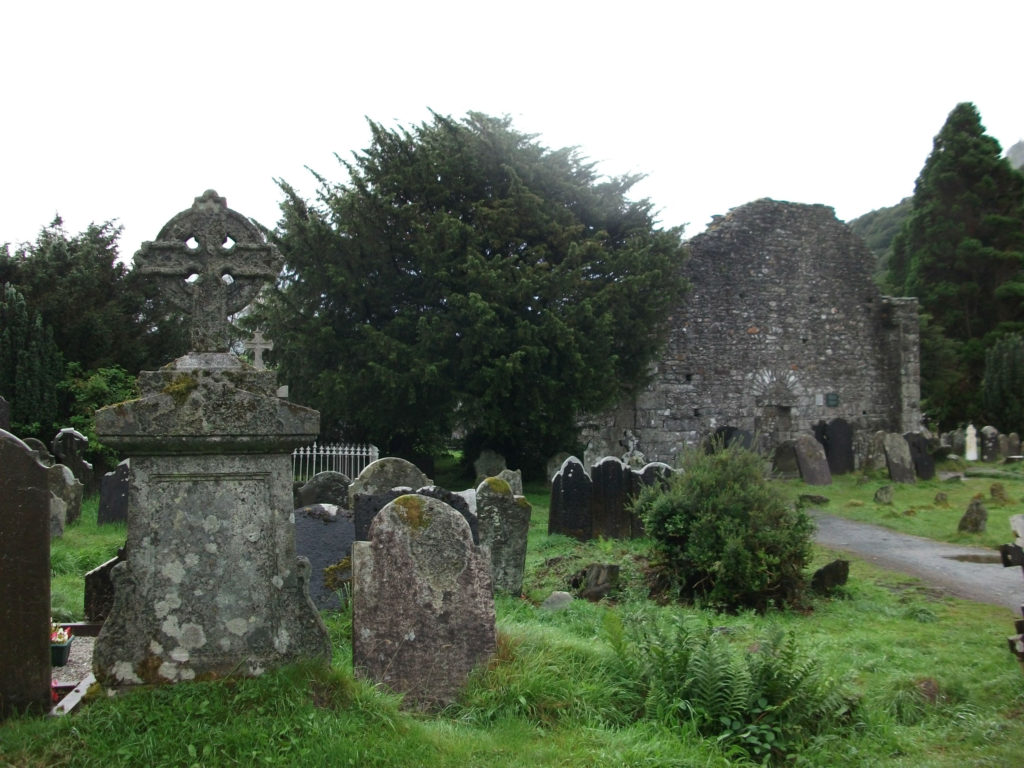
(99, 589)
(114, 495)
(24, 579)
(571, 493)
(898, 459)
(324, 534)
(324, 488)
(784, 463)
(385, 474)
(839, 447)
(989, 444)
(810, 458)
(69, 447)
(920, 455)
(422, 603)
(504, 525)
(610, 490)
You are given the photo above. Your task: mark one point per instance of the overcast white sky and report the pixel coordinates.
(129, 110)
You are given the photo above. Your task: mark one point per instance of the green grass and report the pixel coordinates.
(914, 508)
(83, 546)
(932, 680)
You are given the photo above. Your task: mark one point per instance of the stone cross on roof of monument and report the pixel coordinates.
(210, 262)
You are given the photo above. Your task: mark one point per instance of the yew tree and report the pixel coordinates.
(465, 279)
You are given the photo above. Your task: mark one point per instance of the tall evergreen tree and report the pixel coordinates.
(466, 277)
(30, 366)
(961, 253)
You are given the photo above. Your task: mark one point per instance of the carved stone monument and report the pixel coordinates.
(210, 584)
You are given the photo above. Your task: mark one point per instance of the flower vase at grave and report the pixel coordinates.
(60, 645)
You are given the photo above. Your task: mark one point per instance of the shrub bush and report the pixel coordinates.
(726, 535)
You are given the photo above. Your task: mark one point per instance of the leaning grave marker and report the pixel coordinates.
(211, 584)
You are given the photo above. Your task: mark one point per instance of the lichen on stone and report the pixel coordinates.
(412, 511)
(181, 387)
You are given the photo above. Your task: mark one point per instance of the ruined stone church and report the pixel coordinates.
(783, 328)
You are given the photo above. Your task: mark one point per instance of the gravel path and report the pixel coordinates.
(984, 580)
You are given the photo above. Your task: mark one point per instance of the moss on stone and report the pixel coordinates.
(497, 485)
(181, 387)
(337, 576)
(410, 508)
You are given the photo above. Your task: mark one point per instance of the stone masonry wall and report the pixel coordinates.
(783, 328)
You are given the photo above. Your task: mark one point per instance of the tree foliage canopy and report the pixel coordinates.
(961, 253)
(466, 277)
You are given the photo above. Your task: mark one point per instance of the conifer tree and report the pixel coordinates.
(961, 253)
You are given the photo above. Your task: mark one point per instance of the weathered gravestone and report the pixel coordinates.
(957, 442)
(114, 495)
(65, 498)
(5, 414)
(554, 464)
(324, 488)
(504, 524)
(385, 474)
(989, 444)
(920, 455)
(514, 478)
(24, 579)
(422, 604)
(41, 451)
(897, 458)
(68, 446)
(830, 576)
(570, 509)
(810, 458)
(367, 505)
(210, 585)
(784, 463)
(975, 519)
(1012, 444)
(488, 464)
(324, 534)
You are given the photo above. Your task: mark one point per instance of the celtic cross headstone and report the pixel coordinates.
(210, 584)
(258, 345)
(210, 262)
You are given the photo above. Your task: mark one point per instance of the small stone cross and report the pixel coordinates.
(210, 262)
(258, 345)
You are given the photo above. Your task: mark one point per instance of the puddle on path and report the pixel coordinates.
(993, 558)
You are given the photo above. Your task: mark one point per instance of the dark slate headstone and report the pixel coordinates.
(324, 488)
(784, 463)
(99, 589)
(5, 415)
(897, 458)
(456, 501)
(920, 455)
(727, 436)
(839, 447)
(24, 579)
(324, 534)
(114, 495)
(365, 507)
(989, 444)
(570, 510)
(504, 525)
(610, 486)
(422, 604)
(810, 458)
(69, 446)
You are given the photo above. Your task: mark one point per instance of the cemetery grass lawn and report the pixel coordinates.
(914, 508)
(933, 680)
(83, 546)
